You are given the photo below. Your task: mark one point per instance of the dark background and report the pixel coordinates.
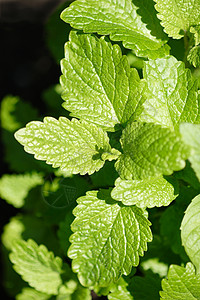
(27, 67)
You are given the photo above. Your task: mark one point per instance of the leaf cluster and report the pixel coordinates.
(126, 148)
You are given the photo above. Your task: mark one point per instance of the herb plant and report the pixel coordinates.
(134, 133)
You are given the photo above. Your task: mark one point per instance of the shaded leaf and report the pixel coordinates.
(14, 188)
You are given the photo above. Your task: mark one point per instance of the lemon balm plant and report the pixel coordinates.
(148, 123)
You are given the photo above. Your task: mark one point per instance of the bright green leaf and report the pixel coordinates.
(71, 145)
(15, 188)
(37, 266)
(191, 136)
(99, 85)
(154, 191)
(31, 294)
(178, 15)
(182, 284)
(190, 232)
(122, 21)
(108, 239)
(194, 56)
(150, 150)
(172, 93)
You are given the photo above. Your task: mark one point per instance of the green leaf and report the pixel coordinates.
(196, 31)
(145, 288)
(150, 150)
(188, 175)
(64, 232)
(31, 294)
(105, 177)
(12, 232)
(155, 267)
(121, 20)
(170, 222)
(194, 56)
(15, 188)
(136, 288)
(154, 191)
(71, 145)
(56, 32)
(15, 113)
(72, 290)
(120, 291)
(37, 266)
(178, 15)
(190, 232)
(182, 284)
(191, 137)
(108, 239)
(99, 85)
(18, 160)
(172, 93)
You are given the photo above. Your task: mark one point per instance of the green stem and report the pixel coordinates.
(186, 46)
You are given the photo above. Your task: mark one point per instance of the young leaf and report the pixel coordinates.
(150, 150)
(191, 136)
(121, 20)
(172, 93)
(119, 291)
(37, 266)
(194, 56)
(73, 290)
(178, 15)
(108, 239)
(190, 232)
(154, 191)
(14, 188)
(99, 86)
(182, 284)
(196, 31)
(74, 146)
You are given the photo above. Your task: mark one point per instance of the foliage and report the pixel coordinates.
(118, 203)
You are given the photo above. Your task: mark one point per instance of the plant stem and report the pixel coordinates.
(187, 46)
